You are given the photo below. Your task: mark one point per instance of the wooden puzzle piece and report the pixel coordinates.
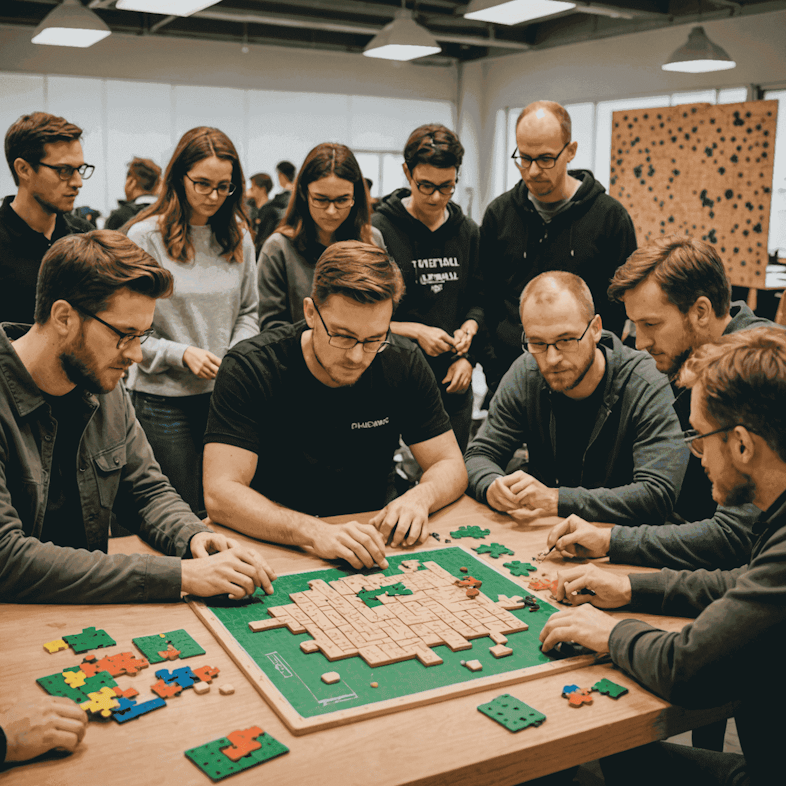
(201, 688)
(331, 677)
(539, 584)
(510, 604)
(511, 713)
(101, 703)
(500, 650)
(495, 550)
(369, 597)
(206, 673)
(55, 646)
(243, 743)
(166, 690)
(74, 679)
(217, 765)
(469, 581)
(89, 639)
(128, 710)
(472, 665)
(609, 688)
(472, 592)
(518, 568)
(470, 532)
(227, 689)
(151, 646)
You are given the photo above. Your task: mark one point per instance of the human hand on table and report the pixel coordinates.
(608, 590)
(405, 520)
(522, 496)
(359, 544)
(575, 537)
(46, 723)
(224, 566)
(459, 376)
(586, 626)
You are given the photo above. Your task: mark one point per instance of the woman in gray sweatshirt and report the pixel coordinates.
(198, 231)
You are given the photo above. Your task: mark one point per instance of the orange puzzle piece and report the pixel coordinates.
(243, 743)
(206, 673)
(579, 697)
(166, 691)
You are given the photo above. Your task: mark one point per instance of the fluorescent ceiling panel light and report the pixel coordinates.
(402, 39)
(70, 24)
(699, 56)
(513, 12)
(166, 7)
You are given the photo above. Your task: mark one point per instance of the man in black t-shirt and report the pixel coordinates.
(597, 417)
(307, 417)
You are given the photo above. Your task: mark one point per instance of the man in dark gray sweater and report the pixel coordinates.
(729, 652)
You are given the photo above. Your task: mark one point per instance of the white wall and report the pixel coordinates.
(137, 95)
(615, 68)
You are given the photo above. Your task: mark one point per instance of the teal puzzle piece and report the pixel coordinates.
(495, 550)
(609, 688)
(511, 713)
(519, 568)
(470, 532)
(210, 759)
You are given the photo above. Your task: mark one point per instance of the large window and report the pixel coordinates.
(778, 212)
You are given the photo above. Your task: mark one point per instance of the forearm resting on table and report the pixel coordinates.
(441, 484)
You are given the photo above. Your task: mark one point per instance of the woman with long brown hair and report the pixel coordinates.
(329, 203)
(198, 231)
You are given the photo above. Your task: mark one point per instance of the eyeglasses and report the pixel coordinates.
(446, 189)
(65, 172)
(691, 438)
(323, 203)
(125, 338)
(372, 345)
(563, 345)
(203, 188)
(543, 162)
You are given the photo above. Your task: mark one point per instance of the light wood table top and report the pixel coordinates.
(445, 742)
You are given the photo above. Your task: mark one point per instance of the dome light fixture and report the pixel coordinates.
(699, 55)
(402, 39)
(70, 24)
(513, 12)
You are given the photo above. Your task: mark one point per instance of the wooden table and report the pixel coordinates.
(446, 742)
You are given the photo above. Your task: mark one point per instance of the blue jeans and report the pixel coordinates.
(175, 426)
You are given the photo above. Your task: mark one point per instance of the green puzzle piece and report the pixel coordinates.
(216, 765)
(150, 646)
(369, 597)
(511, 713)
(55, 685)
(495, 550)
(519, 568)
(470, 532)
(89, 639)
(609, 688)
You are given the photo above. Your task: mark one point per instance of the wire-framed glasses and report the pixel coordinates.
(203, 188)
(66, 172)
(693, 439)
(562, 345)
(543, 162)
(371, 345)
(124, 338)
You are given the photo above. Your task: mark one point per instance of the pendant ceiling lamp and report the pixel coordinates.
(166, 7)
(699, 55)
(70, 24)
(513, 12)
(402, 39)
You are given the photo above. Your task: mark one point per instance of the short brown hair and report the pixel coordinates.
(433, 144)
(27, 136)
(262, 180)
(562, 282)
(743, 379)
(146, 172)
(360, 271)
(557, 110)
(683, 267)
(86, 270)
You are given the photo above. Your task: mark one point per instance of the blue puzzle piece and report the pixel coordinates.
(129, 709)
(569, 689)
(183, 676)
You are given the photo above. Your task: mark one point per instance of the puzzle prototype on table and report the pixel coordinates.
(396, 638)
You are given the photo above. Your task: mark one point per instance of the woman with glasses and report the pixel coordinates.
(198, 231)
(436, 246)
(329, 203)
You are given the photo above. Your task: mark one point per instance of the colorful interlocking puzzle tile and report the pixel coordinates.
(469, 581)
(101, 703)
(75, 679)
(576, 696)
(243, 743)
(470, 532)
(519, 568)
(540, 584)
(369, 597)
(128, 710)
(89, 639)
(183, 676)
(609, 688)
(170, 653)
(166, 690)
(56, 684)
(123, 663)
(217, 765)
(55, 646)
(206, 673)
(495, 550)
(152, 646)
(511, 713)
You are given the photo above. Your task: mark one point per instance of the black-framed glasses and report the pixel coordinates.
(66, 172)
(692, 438)
(344, 202)
(203, 188)
(370, 345)
(543, 162)
(446, 189)
(562, 345)
(124, 338)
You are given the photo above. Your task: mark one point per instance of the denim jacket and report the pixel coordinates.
(115, 463)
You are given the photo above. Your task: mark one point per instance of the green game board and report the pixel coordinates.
(296, 676)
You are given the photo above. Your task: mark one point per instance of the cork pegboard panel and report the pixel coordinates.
(701, 170)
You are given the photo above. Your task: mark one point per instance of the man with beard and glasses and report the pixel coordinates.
(728, 653)
(305, 419)
(45, 157)
(597, 418)
(70, 446)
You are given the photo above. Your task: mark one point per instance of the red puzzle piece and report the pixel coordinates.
(469, 582)
(166, 691)
(243, 743)
(206, 673)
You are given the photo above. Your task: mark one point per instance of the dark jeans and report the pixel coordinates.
(175, 426)
(661, 763)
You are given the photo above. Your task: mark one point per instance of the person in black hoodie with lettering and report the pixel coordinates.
(437, 248)
(554, 219)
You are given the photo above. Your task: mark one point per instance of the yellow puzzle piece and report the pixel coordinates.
(55, 646)
(103, 702)
(75, 679)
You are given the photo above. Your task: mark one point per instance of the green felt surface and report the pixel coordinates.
(213, 762)
(298, 676)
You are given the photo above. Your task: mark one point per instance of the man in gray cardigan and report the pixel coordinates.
(70, 445)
